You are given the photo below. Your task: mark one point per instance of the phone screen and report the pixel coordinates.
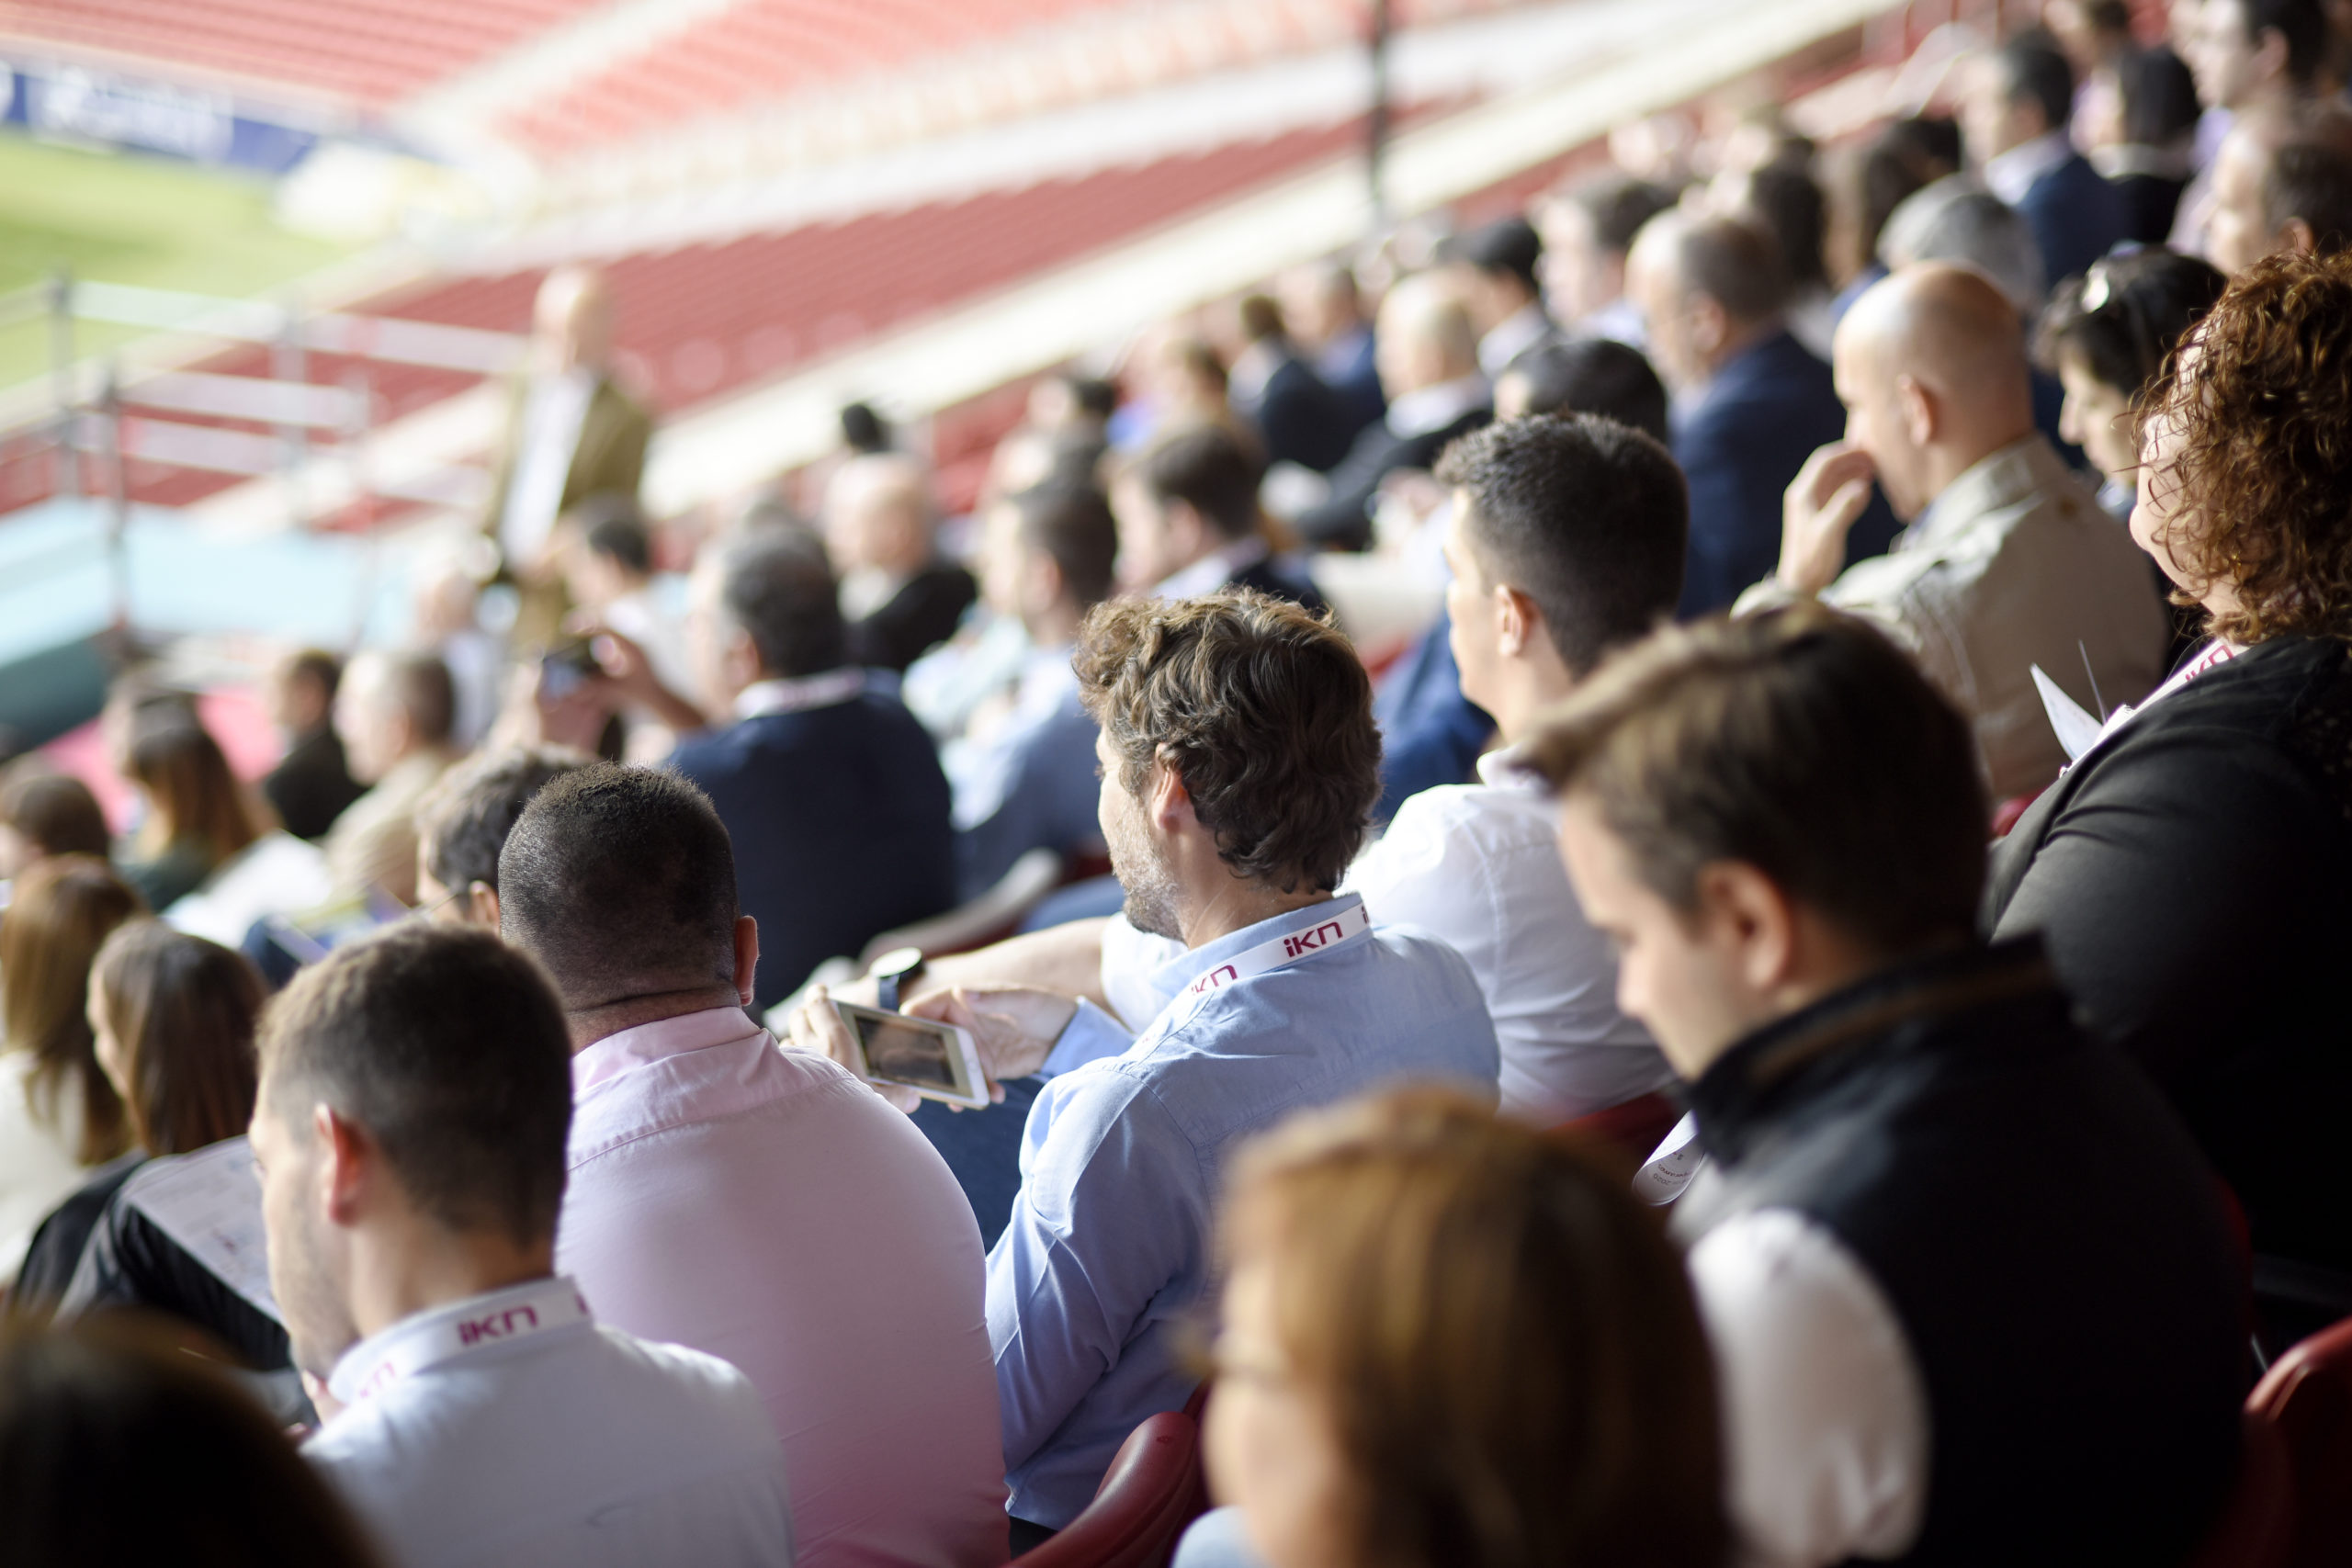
(906, 1052)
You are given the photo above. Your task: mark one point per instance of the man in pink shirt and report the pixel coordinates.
(759, 1204)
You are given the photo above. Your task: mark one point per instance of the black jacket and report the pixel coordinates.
(2193, 880)
(2053, 1250)
(56, 1247)
(312, 785)
(1344, 521)
(916, 619)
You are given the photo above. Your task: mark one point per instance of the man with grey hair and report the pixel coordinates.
(1750, 401)
(1427, 351)
(1955, 220)
(899, 597)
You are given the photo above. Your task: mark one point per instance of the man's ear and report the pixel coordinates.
(2295, 234)
(1752, 919)
(1518, 623)
(1167, 800)
(1921, 418)
(349, 1166)
(747, 956)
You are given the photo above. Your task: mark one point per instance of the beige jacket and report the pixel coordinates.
(2013, 565)
(373, 843)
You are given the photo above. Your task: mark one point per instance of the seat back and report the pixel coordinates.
(1147, 1498)
(2257, 1519)
(2306, 1399)
(1634, 1128)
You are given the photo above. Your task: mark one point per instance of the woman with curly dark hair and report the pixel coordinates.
(2192, 871)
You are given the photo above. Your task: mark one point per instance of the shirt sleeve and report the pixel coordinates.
(1826, 1416)
(1102, 1224)
(1090, 1035)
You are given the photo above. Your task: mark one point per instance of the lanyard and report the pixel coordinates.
(2215, 654)
(462, 1328)
(1317, 936)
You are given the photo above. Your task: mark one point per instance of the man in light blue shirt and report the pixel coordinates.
(1240, 766)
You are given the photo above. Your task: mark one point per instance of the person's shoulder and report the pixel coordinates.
(694, 1383)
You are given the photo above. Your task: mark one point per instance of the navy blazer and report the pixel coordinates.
(1343, 522)
(841, 822)
(2076, 217)
(1741, 442)
(1298, 418)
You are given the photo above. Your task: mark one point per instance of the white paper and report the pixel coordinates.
(209, 1203)
(1671, 1165)
(2076, 728)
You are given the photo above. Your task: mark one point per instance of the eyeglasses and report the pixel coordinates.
(426, 912)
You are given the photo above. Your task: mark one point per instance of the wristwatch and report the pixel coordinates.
(892, 973)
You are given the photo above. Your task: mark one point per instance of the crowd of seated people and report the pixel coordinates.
(1848, 646)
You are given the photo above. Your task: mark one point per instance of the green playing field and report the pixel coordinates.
(118, 217)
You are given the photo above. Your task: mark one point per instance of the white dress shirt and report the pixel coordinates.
(1512, 336)
(767, 1207)
(511, 1428)
(2012, 174)
(1213, 570)
(1426, 409)
(1479, 866)
(1824, 1411)
(552, 413)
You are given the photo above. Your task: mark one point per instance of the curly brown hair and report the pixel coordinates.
(2261, 395)
(1262, 709)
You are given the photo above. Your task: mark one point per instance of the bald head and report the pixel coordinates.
(1426, 336)
(878, 515)
(571, 321)
(1931, 366)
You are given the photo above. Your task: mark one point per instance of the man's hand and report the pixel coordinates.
(1829, 493)
(819, 1031)
(630, 680)
(1013, 1027)
(533, 716)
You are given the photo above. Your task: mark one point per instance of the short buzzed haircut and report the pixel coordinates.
(463, 821)
(614, 527)
(1072, 524)
(1616, 205)
(1594, 375)
(2034, 69)
(420, 685)
(1799, 741)
(1207, 467)
(1262, 710)
(1732, 261)
(778, 586)
(1508, 245)
(450, 1049)
(621, 881)
(2302, 23)
(1586, 517)
(2307, 175)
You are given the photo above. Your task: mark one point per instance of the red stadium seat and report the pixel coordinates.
(1152, 1492)
(1633, 1128)
(2306, 1401)
(2257, 1521)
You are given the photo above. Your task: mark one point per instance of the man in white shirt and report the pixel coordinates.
(410, 1130)
(758, 1204)
(1566, 540)
(1904, 1260)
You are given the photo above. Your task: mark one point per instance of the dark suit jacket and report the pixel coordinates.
(1298, 418)
(840, 818)
(1740, 442)
(2193, 881)
(1343, 522)
(918, 618)
(1349, 368)
(312, 785)
(2076, 217)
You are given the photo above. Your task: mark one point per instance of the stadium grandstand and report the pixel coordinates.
(1584, 715)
